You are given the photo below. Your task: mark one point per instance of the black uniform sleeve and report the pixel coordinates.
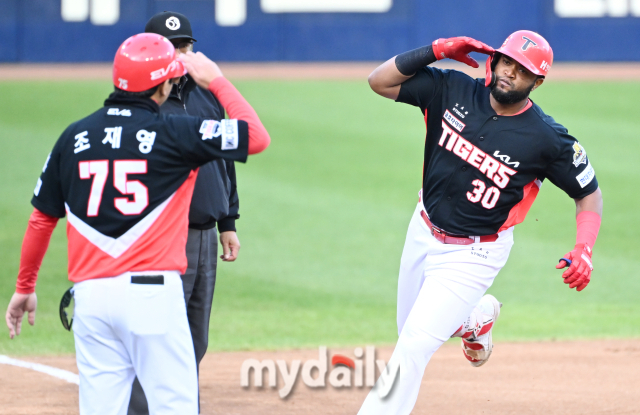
(571, 170)
(228, 223)
(420, 89)
(201, 140)
(48, 196)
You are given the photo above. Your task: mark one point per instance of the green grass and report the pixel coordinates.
(324, 215)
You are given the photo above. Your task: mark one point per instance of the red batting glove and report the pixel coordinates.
(578, 275)
(458, 48)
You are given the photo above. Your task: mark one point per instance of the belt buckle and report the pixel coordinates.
(438, 234)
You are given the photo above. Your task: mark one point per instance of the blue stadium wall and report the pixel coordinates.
(34, 31)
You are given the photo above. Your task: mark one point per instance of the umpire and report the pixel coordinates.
(214, 202)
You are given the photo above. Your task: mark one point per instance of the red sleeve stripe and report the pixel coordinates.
(237, 107)
(34, 246)
(588, 226)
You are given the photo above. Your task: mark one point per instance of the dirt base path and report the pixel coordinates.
(581, 378)
(561, 71)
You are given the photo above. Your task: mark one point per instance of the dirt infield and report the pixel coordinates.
(568, 378)
(330, 70)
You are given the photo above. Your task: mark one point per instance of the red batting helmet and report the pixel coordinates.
(144, 61)
(527, 48)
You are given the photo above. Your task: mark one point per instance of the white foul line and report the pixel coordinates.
(52, 371)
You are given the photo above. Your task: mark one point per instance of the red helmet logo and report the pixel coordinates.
(527, 48)
(528, 42)
(144, 61)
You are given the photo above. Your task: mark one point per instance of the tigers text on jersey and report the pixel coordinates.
(124, 177)
(482, 171)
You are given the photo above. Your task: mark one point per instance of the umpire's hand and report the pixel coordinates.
(202, 69)
(230, 246)
(20, 304)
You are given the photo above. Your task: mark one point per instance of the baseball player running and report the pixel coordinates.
(124, 177)
(488, 149)
(214, 203)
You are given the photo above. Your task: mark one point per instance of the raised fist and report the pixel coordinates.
(458, 48)
(578, 275)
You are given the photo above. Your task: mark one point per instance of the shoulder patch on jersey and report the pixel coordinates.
(586, 176)
(210, 129)
(455, 123)
(119, 112)
(229, 135)
(579, 155)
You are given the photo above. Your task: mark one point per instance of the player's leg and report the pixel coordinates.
(160, 345)
(138, 403)
(455, 282)
(412, 263)
(436, 314)
(104, 365)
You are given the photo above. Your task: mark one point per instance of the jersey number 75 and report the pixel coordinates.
(99, 169)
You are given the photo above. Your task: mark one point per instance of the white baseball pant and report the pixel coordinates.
(123, 329)
(438, 287)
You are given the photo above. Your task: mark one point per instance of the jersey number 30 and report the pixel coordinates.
(489, 198)
(99, 169)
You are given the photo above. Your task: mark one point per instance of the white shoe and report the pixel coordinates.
(478, 345)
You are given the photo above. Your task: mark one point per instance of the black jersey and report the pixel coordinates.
(482, 171)
(124, 176)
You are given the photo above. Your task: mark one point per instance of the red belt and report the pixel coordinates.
(447, 238)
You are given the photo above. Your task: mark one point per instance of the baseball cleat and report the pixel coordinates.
(478, 345)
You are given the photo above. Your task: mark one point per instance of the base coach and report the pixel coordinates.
(214, 202)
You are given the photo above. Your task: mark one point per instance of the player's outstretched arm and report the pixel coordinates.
(386, 79)
(208, 75)
(34, 247)
(588, 218)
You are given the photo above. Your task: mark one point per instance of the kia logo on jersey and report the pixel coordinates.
(506, 159)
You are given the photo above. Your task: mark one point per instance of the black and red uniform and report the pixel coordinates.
(124, 177)
(482, 171)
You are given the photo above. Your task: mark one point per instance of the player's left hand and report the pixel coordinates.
(20, 304)
(230, 246)
(202, 69)
(458, 48)
(578, 275)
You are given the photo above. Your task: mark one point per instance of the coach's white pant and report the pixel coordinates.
(438, 288)
(122, 330)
